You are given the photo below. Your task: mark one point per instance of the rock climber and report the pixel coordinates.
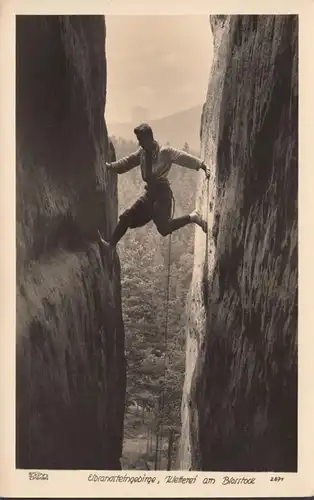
(155, 204)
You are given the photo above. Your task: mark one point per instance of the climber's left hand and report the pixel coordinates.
(206, 170)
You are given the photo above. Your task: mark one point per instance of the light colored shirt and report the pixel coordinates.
(163, 158)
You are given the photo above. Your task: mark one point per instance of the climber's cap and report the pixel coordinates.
(143, 130)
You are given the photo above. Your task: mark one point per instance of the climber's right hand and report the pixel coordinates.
(206, 170)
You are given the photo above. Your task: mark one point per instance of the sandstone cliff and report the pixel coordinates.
(239, 405)
(70, 337)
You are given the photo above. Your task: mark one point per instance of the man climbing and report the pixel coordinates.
(155, 204)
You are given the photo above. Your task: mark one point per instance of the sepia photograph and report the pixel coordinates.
(157, 243)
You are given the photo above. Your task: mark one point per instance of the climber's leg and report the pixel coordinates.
(162, 214)
(138, 215)
(120, 230)
(167, 226)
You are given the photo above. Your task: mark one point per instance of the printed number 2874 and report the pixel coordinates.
(37, 475)
(276, 478)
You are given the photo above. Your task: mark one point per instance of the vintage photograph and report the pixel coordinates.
(157, 242)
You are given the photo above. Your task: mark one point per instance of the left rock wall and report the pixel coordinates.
(70, 365)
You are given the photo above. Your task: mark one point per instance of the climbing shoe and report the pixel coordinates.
(197, 219)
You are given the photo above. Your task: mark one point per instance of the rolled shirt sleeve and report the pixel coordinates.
(126, 163)
(184, 159)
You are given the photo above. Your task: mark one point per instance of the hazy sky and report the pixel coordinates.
(160, 63)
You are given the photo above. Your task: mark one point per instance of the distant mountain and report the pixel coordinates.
(178, 128)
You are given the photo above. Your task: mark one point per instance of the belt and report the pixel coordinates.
(156, 182)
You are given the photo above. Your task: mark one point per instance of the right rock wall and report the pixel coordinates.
(239, 409)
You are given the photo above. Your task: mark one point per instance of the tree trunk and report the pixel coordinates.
(148, 435)
(151, 433)
(170, 444)
(157, 445)
(160, 448)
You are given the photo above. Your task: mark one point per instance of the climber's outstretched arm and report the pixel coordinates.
(186, 160)
(126, 163)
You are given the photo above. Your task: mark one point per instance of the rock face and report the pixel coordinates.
(239, 406)
(70, 336)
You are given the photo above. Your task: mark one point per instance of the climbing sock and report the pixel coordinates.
(196, 217)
